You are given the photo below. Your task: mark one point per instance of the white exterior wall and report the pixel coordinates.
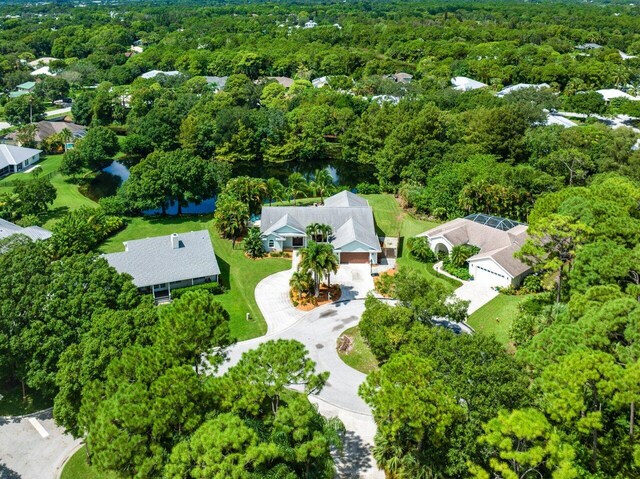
(486, 271)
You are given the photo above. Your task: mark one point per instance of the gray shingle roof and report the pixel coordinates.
(15, 155)
(494, 243)
(34, 232)
(45, 129)
(349, 215)
(153, 261)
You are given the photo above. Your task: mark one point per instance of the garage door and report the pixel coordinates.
(354, 258)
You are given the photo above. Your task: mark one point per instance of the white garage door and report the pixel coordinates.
(486, 276)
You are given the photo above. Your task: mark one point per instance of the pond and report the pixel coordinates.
(343, 173)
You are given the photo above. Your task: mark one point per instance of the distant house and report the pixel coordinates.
(136, 49)
(354, 234)
(45, 129)
(521, 86)
(218, 82)
(161, 264)
(380, 99)
(23, 89)
(612, 93)
(320, 82)
(626, 56)
(402, 77)
(284, 81)
(34, 232)
(42, 71)
(588, 46)
(555, 119)
(16, 158)
(155, 73)
(310, 24)
(498, 240)
(38, 62)
(466, 84)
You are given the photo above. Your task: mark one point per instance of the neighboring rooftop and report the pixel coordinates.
(28, 85)
(466, 84)
(284, 81)
(521, 86)
(41, 61)
(155, 73)
(45, 129)
(167, 259)
(220, 82)
(34, 232)
(589, 46)
(15, 155)
(611, 93)
(498, 238)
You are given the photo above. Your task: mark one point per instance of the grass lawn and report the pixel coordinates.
(360, 357)
(240, 275)
(495, 317)
(11, 403)
(77, 468)
(392, 220)
(69, 197)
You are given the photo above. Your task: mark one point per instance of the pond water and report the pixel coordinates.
(341, 172)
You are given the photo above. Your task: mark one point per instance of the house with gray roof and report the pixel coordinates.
(354, 236)
(34, 232)
(16, 158)
(217, 83)
(498, 239)
(45, 129)
(161, 264)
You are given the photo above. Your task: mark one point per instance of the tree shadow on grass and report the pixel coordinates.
(54, 214)
(225, 273)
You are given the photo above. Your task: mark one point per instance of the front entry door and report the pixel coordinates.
(298, 242)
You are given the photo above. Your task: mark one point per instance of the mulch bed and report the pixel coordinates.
(307, 304)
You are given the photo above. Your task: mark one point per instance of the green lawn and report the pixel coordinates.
(77, 468)
(392, 220)
(495, 317)
(243, 273)
(69, 197)
(360, 357)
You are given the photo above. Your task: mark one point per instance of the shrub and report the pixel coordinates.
(532, 284)
(115, 205)
(211, 288)
(365, 188)
(458, 272)
(253, 246)
(420, 249)
(385, 285)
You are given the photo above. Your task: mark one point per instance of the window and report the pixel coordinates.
(298, 241)
(271, 243)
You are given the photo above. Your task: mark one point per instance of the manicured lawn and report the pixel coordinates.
(77, 468)
(360, 357)
(12, 404)
(392, 220)
(495, 317)
(240, 275)
(69, 197)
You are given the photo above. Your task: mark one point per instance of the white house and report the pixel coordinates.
(16, 158)
(498, 240)
(155, 73)
(611, 93)
(466, 84)
(554, 119)
(310, 24)
(34, 232)
(521, 86)
(320, 82)
(42, 71)
(354, 234)
(161, 264)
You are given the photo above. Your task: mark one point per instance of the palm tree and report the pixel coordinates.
(322, 184)
(297, 186)
(275, 190)
(320, 260)
(253, 243)
(331, 263)
(312, 260)
(326, 231)
(301, 282)
(313, 230)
